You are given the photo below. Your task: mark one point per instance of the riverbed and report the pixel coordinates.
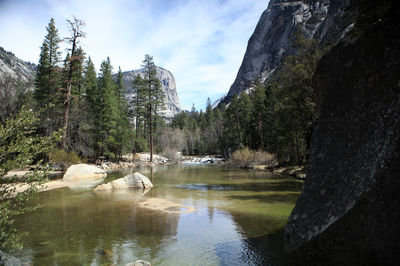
(220, 216)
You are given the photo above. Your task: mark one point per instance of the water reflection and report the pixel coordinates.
(238, 220)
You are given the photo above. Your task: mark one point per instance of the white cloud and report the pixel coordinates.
(201, 42)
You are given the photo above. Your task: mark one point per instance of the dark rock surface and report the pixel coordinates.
(349, 209)
(323, 20)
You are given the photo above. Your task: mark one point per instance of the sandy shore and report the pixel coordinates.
(21, 187)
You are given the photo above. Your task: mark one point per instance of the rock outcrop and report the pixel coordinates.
(348, 212)
(135, 180)
(16, 78)
(13, 69)
(172, 105)
(323, 20)
(82, 172)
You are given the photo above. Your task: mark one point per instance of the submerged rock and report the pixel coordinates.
(348, 212)
(138, 263)
(9, 260)
(79, 172)
(135, 180)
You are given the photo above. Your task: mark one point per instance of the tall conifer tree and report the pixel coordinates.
(76, 26)
(155, 98)
(48, 80)
(139, 111)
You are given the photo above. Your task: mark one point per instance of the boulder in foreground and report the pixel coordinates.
(135, 180)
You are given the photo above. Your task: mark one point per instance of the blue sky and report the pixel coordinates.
(202, 42)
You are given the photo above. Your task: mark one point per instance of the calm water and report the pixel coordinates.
(238, 221)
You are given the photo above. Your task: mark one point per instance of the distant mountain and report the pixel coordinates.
(18, 74)
(16, 78)
(168, 84)
(14, 70)
(323, 20)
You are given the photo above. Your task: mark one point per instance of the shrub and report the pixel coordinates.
(64, 159)
(141, 145)
(20, 147)
(246, 158)
(171, 154)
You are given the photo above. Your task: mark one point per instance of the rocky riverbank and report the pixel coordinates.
(134, 160)
(298, 172)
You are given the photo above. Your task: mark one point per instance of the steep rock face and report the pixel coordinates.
(16, 77)
(13, 69)
(348, 212)
(272, 37)
(168, 84)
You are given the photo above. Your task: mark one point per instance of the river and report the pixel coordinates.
(237, 220)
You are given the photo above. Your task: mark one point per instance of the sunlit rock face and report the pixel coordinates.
(15, 74)
(172, 105)
(275, 30)
(348, 212)
(11, 67)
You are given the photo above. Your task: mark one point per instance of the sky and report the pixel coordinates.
(202, 42)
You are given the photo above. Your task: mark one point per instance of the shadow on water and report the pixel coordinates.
(283, 185)
(271, 198)
(263, 250)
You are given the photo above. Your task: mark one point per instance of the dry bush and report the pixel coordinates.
(246, 158)
(171, 154)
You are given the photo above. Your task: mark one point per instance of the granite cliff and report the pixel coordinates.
(172, 105)
(13, 69)
(348, 212)
(323, 20)
(16, 78)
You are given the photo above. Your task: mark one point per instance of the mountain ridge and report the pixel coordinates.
(272, 37)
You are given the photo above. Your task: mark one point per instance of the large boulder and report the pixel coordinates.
(348, 212)
(135, 180)
(80, 172)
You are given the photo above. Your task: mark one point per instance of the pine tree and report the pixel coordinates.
(258, 118)
(78, 125)
(94, 102)
(139, 111)
(108, 109)
(76, 33)
(48, 80)
(155, 98)
(123, 125)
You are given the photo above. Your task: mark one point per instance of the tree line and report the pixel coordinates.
(97, 120)
(90, 107)
(277, 117)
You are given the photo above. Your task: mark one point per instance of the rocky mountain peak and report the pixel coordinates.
(272, 37)
(168, 84)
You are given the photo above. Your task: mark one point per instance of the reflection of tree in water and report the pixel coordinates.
(84, 228)
(152, 229)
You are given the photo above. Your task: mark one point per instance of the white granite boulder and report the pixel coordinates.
(135, 180)
(81, 172)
